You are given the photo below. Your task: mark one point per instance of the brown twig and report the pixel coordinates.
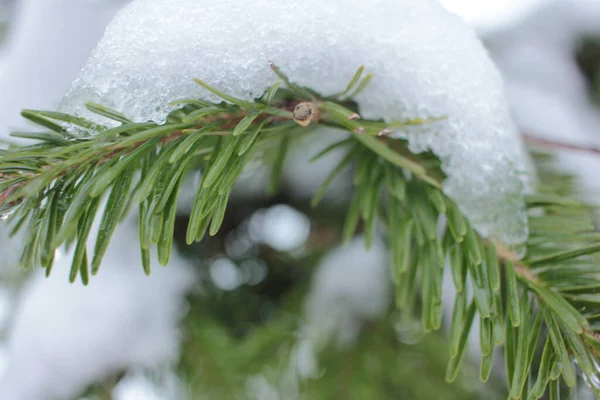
(524, 273)
(521, 270)
(555, 145)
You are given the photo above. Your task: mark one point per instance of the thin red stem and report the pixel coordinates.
(555, 145)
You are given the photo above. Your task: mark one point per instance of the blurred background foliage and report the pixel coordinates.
(253, 330)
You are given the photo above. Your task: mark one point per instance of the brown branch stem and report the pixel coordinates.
(229, 122)
(521, 270)
(556, 145)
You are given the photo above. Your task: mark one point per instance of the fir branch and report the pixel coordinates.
(52, 190)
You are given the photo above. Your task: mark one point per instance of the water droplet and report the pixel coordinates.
(6, 212)
(593, 381)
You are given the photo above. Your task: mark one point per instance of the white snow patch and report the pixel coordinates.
(281, 227)
(47, 44)
(63, 336)
(426, 63)
(491, 14)
(225, 274)
(548, 94)
(138, 386)
(351, 286)
(67, 336)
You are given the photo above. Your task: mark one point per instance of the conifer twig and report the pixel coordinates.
(53, 188)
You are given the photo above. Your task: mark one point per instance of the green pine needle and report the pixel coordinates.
(53, 188)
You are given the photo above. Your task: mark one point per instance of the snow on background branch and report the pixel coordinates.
(548, 93)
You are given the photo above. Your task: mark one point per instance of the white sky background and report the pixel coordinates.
(486, 15)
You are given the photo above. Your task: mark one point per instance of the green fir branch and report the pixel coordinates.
(543, 309)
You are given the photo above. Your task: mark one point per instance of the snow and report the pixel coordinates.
(426, 63)
(225, 274)
(280, 227)
(138, 386)
(48, 43)
(491, 14)
(548, 94)
(350, 286)
(67, 336)
(64, 337)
